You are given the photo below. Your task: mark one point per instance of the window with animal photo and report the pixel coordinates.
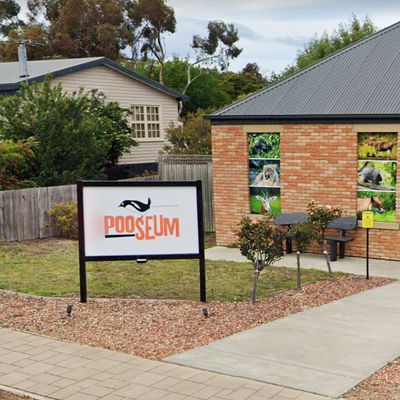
(377, 172)
(264, 173)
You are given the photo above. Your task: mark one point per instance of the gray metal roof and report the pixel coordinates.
(38, 70)
(360, 80)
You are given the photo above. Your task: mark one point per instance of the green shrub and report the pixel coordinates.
(64, 217)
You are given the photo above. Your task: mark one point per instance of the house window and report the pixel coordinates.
(264, 173)
(146, 122)
(377, 172)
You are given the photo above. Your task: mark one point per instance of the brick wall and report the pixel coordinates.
(230, 180)
(318, 162)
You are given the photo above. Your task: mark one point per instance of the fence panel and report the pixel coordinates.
(191, 168)
(24, 213)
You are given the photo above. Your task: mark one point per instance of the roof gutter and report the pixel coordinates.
(301, 119)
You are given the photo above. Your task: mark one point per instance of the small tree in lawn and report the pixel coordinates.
(258, 241)
(320, 217)
(302, 234)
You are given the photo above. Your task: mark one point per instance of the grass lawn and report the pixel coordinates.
(50, 268)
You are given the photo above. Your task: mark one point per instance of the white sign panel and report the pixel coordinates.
(140, 220)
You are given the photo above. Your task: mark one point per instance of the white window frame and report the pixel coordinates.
(146, 123)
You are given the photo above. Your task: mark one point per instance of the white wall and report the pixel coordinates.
(127, 92)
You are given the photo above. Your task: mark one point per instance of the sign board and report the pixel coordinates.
(120, 220)
(367, 219)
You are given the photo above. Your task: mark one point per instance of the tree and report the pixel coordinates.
(319, 217)
(247, 81)
(155, 19)
(73, 28)
(206, 92)
(16, 160)
(258, 241)
(78, 136)
(217, 49)
(9, 10)
(321, 46)
(193, 138)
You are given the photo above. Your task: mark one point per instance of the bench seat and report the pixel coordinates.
(334, 240)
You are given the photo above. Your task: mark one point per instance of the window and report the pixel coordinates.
(264, 173)
(146, 122)
(377, 171)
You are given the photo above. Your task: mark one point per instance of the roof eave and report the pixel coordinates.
(94, 63)
(301, 119)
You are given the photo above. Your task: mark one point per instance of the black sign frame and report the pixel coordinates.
(81, 232)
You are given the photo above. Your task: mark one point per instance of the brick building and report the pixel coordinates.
(327, 133)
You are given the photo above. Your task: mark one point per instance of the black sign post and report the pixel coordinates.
(367, 222)
(367, 255)
(83, 258)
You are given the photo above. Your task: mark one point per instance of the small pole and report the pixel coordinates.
(367, 255)
(298, 271)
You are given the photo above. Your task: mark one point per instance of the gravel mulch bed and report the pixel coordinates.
(155, 329)
(383, 385)
(10, 396)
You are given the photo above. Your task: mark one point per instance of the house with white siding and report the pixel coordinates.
(154, 106)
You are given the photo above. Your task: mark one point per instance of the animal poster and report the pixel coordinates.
(377, 175)
(264, 173)
(263, 200)
(377, 171)
(264, 145)
(377, 146)
(382, 204)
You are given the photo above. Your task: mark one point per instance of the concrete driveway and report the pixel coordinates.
(326, 350)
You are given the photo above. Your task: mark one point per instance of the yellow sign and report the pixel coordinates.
(367, 219)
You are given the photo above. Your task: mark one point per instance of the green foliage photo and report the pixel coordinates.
(385, 172)
(264, 145)
(388, 201)
(377, 146)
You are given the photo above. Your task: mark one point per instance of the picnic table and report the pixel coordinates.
(342, 224)
(288, 219)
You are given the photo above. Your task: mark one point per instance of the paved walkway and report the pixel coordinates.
(46, 368)
(353, 265)
(326, 350)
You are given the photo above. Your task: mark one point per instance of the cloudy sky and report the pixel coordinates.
(271, 31)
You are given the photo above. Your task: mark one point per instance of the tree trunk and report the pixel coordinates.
(328, 263)
(161, 74)
(298, 271)
(256, 276)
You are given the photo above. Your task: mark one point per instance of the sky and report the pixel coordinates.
(271, 31)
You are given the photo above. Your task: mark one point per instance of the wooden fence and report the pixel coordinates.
(191, 168)
(24, 213)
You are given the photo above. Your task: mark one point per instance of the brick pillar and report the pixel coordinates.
(230, 180)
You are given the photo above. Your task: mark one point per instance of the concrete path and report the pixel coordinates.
(45, 368)
(326, 350)
(352, 265)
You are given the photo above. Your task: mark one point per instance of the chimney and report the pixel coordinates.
(23, 61)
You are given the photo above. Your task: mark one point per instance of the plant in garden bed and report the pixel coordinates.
(64, 217)
(258, 240)
(302, 234)
(320, 217)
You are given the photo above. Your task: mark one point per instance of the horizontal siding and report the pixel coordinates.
(127, 92)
